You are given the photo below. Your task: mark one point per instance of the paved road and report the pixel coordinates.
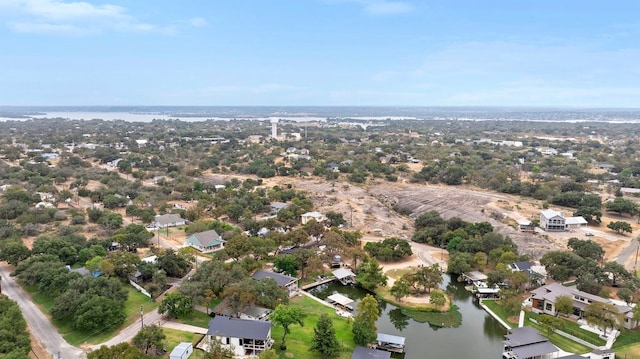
(39, 323)
(629, 252)
(129, 332)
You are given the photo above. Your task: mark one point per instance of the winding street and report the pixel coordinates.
(38, 322)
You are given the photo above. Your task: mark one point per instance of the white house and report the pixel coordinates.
(306, 217)
(242, 336)
(551, 221)
(543, 301)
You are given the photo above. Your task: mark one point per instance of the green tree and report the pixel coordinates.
(625, 294)
(400, 289)
(620, 226)
(437, 298)
(622, 206)
(149, 337)
(268, 354)
(285, 316)
(119, 351)
(364, 323)
(14, 338)
(286, 263)
(603, 315)
(324, 338)
(175, 305)
(459, 262)
(369, 274)
(217, 350)
(550, 323)
(564, 304)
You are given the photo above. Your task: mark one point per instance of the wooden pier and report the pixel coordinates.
(317, 283)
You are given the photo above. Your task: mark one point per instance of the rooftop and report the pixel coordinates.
(239, 328)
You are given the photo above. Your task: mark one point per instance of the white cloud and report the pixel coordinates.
(72, 18)
(380, 7)
(198, 22)
(387, 7)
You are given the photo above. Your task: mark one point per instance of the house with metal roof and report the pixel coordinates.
(244, 337)
(169, 220)
(390, 343)
(283, 280)
(306, 217)
(543, 301)
(527, 343)
(553, 221)
(205, 242)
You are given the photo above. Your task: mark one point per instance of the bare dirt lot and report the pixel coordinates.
(370, 209)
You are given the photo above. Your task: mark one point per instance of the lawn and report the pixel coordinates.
(499, 311)
(174, 337)
(560, 341)
(195, 318)
(627, 338)
(132, 310)
(574, 329)
(299, 338)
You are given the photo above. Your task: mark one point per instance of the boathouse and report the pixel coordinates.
(345, 276)
(390, 343)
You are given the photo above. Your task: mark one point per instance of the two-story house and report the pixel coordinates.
(242, 336)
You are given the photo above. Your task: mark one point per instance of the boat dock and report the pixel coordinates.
(317, 283)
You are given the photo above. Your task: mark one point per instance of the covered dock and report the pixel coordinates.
(390, 343)
(345, 276)
(340, 300)
(474, 277)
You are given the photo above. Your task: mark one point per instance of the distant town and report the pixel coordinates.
(319, 232)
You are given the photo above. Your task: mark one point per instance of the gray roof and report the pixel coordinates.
(82, 271)
(388, 338)
(168, 218)
(535, 350)
(207, 238)
(521, 266)
(366, 353)
(279, 205)
(343, 273)
(239, 328)
(524, 336)
(281, 279)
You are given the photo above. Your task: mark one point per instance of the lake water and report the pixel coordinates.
(480, 336)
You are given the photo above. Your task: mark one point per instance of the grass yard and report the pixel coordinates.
(174, 337)
(558, 340)
(196, 318)
(499, 311)
(574, 329)
(132, 310)
(299, 338)
(628, 338)
(450, 319)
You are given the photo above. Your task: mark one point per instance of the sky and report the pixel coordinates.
(569, 53)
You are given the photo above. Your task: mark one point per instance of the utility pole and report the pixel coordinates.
(141, 317)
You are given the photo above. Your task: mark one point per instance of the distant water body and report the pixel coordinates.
(319, 113)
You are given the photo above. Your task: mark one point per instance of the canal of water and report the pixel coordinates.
(480, 336)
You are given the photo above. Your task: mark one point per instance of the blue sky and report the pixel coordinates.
(320, 52)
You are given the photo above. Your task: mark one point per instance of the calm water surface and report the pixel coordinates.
(480, 336)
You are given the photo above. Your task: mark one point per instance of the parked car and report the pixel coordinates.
(589, 234)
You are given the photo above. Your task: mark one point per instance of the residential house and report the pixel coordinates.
(205, 242)
(283, 280)
(527, 343)
(552, 221)
(536, 273)
(525, 225)
(306, 217)
(333, 167)
(367, 353)
(169, 220)
(605, 166)
(252, 312)
(278, 206)
(242, 336)
(543, 301)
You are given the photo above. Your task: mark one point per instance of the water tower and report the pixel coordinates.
(274, 128)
